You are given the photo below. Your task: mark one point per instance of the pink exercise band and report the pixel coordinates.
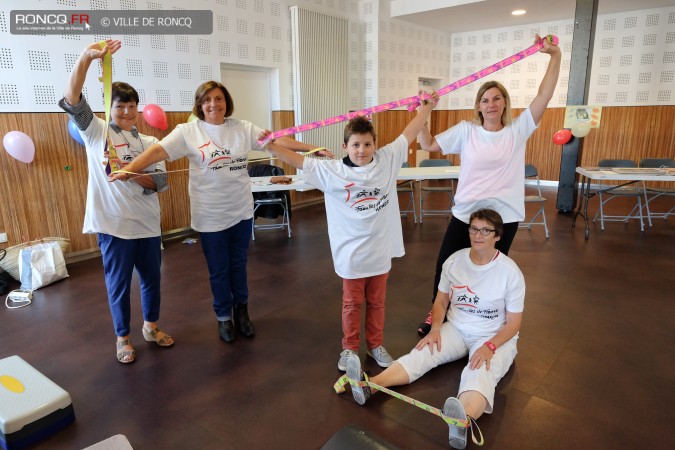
(413, 102)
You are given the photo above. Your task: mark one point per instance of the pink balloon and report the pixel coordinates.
(20, 146)
(155, 117)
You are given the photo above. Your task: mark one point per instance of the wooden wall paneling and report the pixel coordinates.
(541, 151)
(174, 202)
(634, 132)
(44, 199)
(286, 119)
(389, 125)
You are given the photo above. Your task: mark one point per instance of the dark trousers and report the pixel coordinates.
(226, 254)
(457, 237)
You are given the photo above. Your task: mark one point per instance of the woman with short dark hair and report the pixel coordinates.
(124, 217)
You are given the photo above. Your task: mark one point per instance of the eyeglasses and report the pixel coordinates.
(483, 231)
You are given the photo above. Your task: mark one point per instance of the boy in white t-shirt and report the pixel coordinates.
(364, 224)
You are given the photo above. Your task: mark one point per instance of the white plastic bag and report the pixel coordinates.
(40, 265)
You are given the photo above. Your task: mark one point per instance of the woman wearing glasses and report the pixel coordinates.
(492, 149)
(482, 295)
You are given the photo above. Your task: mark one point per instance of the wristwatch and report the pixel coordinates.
(491, 346)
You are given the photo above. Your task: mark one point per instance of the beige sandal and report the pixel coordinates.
(151, 335)
(125, 356)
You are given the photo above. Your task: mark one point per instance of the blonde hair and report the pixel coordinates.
(507, 118)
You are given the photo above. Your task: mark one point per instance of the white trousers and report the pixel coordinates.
(456, 345)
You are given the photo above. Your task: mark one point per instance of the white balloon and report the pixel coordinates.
(581, 129)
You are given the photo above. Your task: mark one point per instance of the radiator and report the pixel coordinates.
(320, 74)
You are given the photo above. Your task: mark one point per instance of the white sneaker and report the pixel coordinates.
(344, 357)
(381, 356)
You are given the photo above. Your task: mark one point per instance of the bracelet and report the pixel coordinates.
(491, 346)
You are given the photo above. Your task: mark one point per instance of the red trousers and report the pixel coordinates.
(354, 292)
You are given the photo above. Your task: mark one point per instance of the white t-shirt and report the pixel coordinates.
(364, 224)
(492, 171)
(119, 209)
(220, 188)
(480, 295)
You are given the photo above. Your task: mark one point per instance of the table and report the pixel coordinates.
(428, 173)
(262, 184)
(634, 175)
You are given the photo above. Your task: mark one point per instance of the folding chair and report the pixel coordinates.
(620, 191)
(270, 204)
(426, 189)
(532, 173)
(409, 188)
(654, 193)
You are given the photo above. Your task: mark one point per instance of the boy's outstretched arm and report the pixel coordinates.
(288, 156)
(415, 126)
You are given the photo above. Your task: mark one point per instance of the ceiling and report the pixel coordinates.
(455, 16)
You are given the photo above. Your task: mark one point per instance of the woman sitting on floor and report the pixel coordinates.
(482, 293)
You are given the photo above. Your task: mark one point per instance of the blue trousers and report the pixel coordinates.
(226, 254)
(120, 257)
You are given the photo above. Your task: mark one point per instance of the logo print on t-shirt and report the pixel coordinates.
(220, 157)
(466, 300)
(463, 296)
(363, 198)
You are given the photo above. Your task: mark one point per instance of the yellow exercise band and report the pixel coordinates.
(339, 388)
(318, 149)
(106, 79)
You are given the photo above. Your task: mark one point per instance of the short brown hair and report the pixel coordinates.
(204, 89)
(507, 117)
(123, 92)
(359, 125)
(490, 216)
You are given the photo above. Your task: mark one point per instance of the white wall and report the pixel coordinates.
(165, 70)
(397, 53)
(633, 60)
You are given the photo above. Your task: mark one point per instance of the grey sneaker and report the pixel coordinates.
(381, 356)
(354, 372)
(457, 435)
(342, 362)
